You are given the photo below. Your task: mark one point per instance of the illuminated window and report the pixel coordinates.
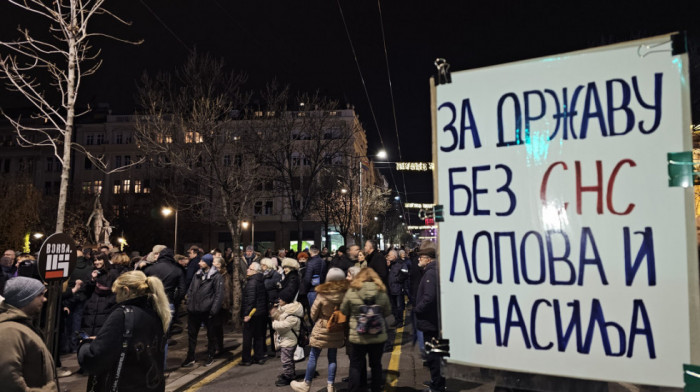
(193, 137)
(137, 186)
(117, 188)
(126, 186)
(164, 138)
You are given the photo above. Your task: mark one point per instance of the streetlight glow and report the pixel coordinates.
(245, 224)
(37, 235)
(166, 211)
(382, 154)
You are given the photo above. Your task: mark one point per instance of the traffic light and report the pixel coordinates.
(438, 214)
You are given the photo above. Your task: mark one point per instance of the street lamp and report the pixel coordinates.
(122, 243)
(381, 155)
(245, 225)
(38, 236)
(166, 211)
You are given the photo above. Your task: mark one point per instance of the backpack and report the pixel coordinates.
(370, 321)
(337, 321)
(304, 334)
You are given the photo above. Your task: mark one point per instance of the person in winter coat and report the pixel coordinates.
(397, 274)
(427, 313)
(376, 260)
(204, 299)
(76, 303)
(366, 288)
(224, 314)
(141, 368)
(415, 275)
(290, 281)
(100, 298)
(342, 260)
(286, 320)
(314, 275)
(255, 314)
(329, 297)
(26, 363)
(271, 278)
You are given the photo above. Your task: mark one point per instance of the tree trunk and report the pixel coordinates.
(237, 292)
(68, 134)
(300, 234)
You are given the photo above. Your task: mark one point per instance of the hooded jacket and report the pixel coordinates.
(350, 307)
(285, 320)
(25, 364)
(100, 302)
(171, 275)
(329, 297)
(206, 292)
(289, 286)
(315, 266)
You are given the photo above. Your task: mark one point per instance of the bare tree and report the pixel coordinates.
(62, 56)
(20, 204)
(374, 202)
(300, 143)
(191, 125)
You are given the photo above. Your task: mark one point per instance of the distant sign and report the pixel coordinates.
(57, 258)
(562, 238)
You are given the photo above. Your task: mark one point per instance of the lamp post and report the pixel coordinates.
(245, 224)
(166, 211)
(381, 155)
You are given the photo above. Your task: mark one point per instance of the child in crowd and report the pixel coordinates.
(286, 321)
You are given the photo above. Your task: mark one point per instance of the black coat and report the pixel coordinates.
(143, 369)
(100, 301)
(377, 262)
(415, 274)
(397, 276)
(289, 287)
(315, 266)
(254, 297)
(271, 279)
(170, 274)
(427, 300)
(343, 262)
(206, 293)
(192, 268)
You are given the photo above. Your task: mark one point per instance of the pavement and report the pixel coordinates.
(177, 378)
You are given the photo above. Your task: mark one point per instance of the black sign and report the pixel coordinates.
(57, 258)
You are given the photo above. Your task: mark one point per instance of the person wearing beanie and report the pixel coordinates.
(26, 363)
(286, 321)
(289, 287)
(328, 299)
(204, 301)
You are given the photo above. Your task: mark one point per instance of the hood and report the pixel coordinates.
(334, 291)
(166, 255)
(368, 290)
(10, 313)
(210, 273)
(294, 308)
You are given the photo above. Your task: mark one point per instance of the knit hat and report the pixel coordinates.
(20, 291)
(287, 296)
(208, 258)
(250, 247)
(291, 263)
(342, 249)
(335, 274)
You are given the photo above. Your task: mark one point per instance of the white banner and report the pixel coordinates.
(564, 250)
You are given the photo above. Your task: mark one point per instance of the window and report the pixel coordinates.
(126, 186)
(137, 186)
(258, 208)
(117, 189)
(118, 161)
(306, 160)
(92, 187)
(118, 138)
(127, 160)
(138, 159)
(88, 164)
(239, 160)
(327, 159)
(49, 164)
(227, 160)
(90, 140)
(296, 160)
(100, 139)
(268, 208)
(146, 186)
(193, 137)
(161, 138)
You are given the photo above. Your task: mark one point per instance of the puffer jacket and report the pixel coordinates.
(350, 307)
(254, 297)
(101, 300)
(426, 308)
(286, 323)
(271, 279)
(206, 293)
(25, 364)
(330, 296)
(289, 286)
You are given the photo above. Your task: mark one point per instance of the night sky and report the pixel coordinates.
(304, 44)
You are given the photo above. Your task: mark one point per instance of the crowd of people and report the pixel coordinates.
(120, 312)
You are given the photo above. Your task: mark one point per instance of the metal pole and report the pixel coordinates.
(175, 246)
(360, 202)
(252, 232)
